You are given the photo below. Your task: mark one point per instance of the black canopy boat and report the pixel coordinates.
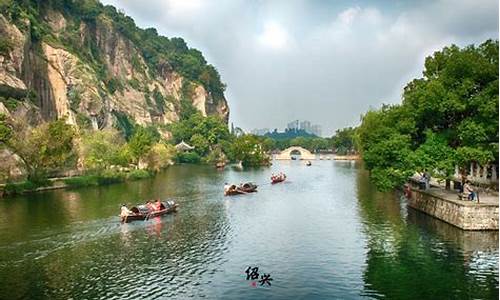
(141, 212)
(241, 189)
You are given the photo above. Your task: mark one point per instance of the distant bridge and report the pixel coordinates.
(287, 153)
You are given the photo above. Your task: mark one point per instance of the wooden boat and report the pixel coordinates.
(278, 179)
(141, 212)
(248, 187)
(242, 189)
(233, 192)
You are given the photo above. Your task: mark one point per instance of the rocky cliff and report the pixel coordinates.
(91, 65)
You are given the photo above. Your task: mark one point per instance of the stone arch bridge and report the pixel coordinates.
(287, 154)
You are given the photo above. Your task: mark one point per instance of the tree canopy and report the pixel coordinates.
(448, 117)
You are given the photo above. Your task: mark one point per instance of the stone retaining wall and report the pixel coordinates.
(462, 214)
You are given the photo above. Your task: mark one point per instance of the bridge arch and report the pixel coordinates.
(287, 153)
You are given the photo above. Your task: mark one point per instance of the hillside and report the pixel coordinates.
(92, 65)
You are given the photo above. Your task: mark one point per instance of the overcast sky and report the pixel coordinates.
(323, 61)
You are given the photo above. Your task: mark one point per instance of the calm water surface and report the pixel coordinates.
(325, 233)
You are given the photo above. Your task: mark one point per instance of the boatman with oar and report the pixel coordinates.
(124, 212)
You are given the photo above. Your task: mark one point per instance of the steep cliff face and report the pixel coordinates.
(90, 72)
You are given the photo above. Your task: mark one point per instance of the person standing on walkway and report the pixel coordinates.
(469, 191)
(427, 177)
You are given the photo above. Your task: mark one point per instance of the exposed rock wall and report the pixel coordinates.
(65, 84)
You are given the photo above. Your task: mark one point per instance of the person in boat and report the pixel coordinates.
(150, 206)
(124, 212)
(226, 187)
(230, 188)
(158, 205)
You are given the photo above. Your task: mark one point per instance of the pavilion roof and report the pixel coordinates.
(183, 146)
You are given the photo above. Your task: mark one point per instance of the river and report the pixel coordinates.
(324, 233)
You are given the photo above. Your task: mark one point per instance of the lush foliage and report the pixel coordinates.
(159, 156)
(101, 149)
(449, 117)
(43, 149)
(142, 140)
(289, 134)
(52, 147)
(204, 133)
(343, 140)
(187, 157)
(249, 150)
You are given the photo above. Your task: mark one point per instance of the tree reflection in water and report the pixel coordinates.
(411, 255)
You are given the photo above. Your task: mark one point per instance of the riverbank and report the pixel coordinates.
(104, 178)
(445, 205)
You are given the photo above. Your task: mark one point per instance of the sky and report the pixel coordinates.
(323, 61)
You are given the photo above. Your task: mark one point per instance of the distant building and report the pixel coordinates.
(261, 131)
(316, 130)
(306, 126)
(294, 125)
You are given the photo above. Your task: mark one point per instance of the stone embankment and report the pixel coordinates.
(445, 205)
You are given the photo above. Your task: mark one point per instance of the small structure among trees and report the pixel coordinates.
(183, 146)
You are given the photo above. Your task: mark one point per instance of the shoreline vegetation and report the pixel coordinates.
(106, 178)
(112, 155)
(102, 179)
(446, 124)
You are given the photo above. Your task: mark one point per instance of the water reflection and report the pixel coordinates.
(325, 233)
(413, 256)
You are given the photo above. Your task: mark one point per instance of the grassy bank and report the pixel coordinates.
(102, 178)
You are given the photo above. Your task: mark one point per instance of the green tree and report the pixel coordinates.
(343, 140)
(43, 149)
(202, 132)
(142, 140)
(159, 156)
(436, 156)
(449, 117)
(101, 149)
(249, 150)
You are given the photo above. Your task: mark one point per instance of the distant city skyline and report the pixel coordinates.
(304, 125)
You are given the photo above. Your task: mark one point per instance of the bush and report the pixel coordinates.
(104, 178)
(138, 174)
(159, 156)
(23, 187)
(5, 45)
(110, 177)
(187, 157)
(82, 181)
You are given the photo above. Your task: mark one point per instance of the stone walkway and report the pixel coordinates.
(488, 199)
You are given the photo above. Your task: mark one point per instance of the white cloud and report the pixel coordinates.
(346, 18)
(274, 36)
